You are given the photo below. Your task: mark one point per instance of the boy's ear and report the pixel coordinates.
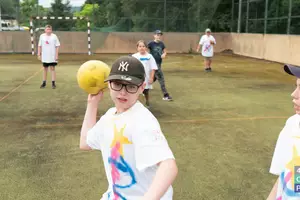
(143, 87)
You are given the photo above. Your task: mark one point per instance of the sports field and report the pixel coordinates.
(222, 127)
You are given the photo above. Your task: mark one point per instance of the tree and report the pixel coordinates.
(30, 8)
(7, 8)
(60, 9)
(88, 10)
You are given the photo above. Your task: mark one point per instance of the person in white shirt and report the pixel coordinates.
(286, 158)
(207, 43)
(48, 53)
(138, 161)
(149, 65)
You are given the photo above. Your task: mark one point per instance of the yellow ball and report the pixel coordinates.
(91, 76)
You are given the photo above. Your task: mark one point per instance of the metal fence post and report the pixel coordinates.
(165, 15)
(266, 16)
(247, 17)
(289, 17)
(232, 16)
(240, 16)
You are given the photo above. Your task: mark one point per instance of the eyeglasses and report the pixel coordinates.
(130, 88)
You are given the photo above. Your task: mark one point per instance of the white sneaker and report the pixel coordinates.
(168, 98)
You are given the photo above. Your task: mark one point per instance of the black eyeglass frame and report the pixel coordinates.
(125, 85)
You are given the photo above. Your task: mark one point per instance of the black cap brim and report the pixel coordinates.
(292, 70)
(129, 79)
(158, 33)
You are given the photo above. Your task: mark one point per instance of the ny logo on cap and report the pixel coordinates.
(123, 66)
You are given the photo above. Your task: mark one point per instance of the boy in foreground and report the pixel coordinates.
(286, 159)
(138, 162)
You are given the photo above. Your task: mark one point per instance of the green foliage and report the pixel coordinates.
(28, 9)
(60, 9)
(9, 8)
(168, 15)
(88, 10)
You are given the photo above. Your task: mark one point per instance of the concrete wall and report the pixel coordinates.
(15, 41)
(175, 42)
(279, 48)
(76, 42)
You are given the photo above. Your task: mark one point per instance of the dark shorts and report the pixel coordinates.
(49, 64)
(146, 91)
(207, 58)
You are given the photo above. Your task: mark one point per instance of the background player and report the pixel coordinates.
(149, 66)
(48, 53)
(207, 42)
(158, 50)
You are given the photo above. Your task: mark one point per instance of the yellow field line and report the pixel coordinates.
(180, 121)
(2, 98)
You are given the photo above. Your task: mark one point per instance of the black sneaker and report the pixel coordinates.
(43, 86)
(209, 69)
(53, 86)
(167, 98)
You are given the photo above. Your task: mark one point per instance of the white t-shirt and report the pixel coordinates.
(132, 144)
(286, 157)
(48, 44)
(149, 65)
(207, 47)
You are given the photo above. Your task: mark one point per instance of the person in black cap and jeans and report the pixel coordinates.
(138, 161)
(158, 50)
(286, 159)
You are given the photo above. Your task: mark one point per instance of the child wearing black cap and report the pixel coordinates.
(138, 161)
(158, 50)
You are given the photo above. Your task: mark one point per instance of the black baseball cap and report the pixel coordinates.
(292, 70)
(127, 68)
(158, 32)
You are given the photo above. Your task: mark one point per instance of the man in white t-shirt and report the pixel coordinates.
(48, 53)
(207, 43)
(138, 161)
(286, 159)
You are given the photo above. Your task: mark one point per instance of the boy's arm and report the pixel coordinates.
(152, 76)
(89, 119)
(200, 43)
(164, 51)
(153, 67)
(272, 195)
(39, 48)
(56, 53)
(149, 46)
(165, 175)
(213, 41)
(57, 48)
(152, 149)
(198, 47)
(39, 52)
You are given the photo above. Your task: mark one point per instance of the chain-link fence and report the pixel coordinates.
(267, 16)
(245, 16)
